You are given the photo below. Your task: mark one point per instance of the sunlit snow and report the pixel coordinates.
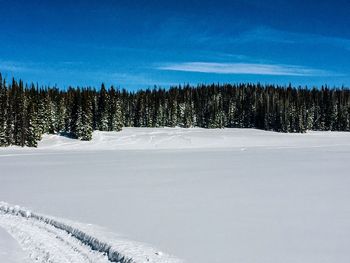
(222, 195)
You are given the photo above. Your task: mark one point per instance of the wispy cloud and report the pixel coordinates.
(268, 34)
(245, 68)
(13, 66)
(76, 73)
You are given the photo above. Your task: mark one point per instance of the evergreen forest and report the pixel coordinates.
(28, 111)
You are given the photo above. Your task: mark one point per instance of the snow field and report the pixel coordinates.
(226, 195)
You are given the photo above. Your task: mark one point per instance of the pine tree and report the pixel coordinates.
(76, 125)
(31, 129)
(9, 130)
(86, 129)
(43, 113)
(173, 114)
(19, 122)
(102, 109)
(231, 116)
(61, 114)
(3, 113)
(115, 118)
(117, 123)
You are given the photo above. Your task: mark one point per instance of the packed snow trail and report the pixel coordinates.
(48, 240)
(10, 250)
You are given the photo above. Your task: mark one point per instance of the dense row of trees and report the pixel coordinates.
(27, 112)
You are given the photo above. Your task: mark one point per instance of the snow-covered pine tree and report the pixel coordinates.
(174, 114)
(9, 130)
(216, 117)
(334, 114)
(189, 116)
(148, 113)
(111, 107)
(344, 122)
(310, 114)
(115, 118)
(186, 109)
(102, 109)
(76, 126)
(61, 114)
(279, 112)
(231, 118)
(159, 115)
(181, 115)
(266, 111)
(3, 112)
(52, 118)
(117, 123)
(85, 130)
(31, 126)
(18, 100)
(286, 126)
(43, 113)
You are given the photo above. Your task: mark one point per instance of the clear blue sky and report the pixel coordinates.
(138, 44)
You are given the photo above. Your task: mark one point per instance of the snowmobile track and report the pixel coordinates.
(48, 240)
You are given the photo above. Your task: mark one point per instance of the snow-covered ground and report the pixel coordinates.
(231, 195)
(50, 240)
(10, 251)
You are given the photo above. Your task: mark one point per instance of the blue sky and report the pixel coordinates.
(139, 44)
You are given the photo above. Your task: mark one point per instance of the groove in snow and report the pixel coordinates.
(49, 240)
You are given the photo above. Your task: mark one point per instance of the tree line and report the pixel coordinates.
(28, 111)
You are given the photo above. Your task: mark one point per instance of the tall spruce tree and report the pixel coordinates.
(76, 124)
(115, 119)
(3, 113)
(31, 126)
(102, 109)
(86, 129)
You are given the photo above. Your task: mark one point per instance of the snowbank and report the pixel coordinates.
(193, 138)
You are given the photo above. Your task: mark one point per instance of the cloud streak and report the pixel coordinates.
(13, 66)
(245, 68)
(267, 34)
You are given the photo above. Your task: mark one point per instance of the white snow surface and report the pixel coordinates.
(46, 239)
(10, 251)
(195, 138)
(223, 195)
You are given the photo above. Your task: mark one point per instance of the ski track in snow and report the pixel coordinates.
(46, 240)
